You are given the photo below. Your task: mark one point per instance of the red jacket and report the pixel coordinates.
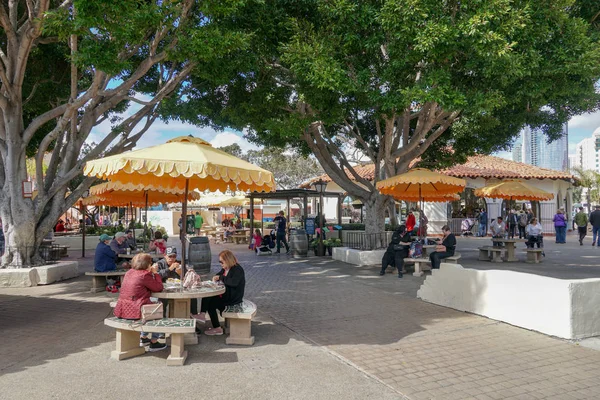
(135, 291)
(411, 221)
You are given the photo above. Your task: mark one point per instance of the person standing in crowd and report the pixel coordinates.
(396, 251)
(560, 226)
(523, 220)
(445, 249)
(411, 221)
(114, 218)
(581, 220)
(281, 224)
(198, 221)
(530, 215)
(595, 222)
(483, 223)
(512, 223)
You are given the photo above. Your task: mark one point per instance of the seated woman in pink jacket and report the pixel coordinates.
(138, 284)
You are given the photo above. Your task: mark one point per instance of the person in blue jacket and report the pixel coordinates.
(105, 257)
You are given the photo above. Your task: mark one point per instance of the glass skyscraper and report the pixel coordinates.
(536, 150)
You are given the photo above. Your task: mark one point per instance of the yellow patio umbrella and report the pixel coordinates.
(421, 184)
(185, 163)
(180, 160)
(434, 199)
(237, 201)
(513, 190)
(136, 198)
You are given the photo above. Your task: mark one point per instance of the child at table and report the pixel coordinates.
(256, 240)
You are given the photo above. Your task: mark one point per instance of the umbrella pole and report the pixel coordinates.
(146, 221)
(420, 213)
(184, 227)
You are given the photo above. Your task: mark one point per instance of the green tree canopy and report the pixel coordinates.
(403, 79)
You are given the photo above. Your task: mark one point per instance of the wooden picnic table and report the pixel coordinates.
(510, 247)
(180, 301)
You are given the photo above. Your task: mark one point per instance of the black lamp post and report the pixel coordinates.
(320, 186)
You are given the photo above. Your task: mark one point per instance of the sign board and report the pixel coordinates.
(310, 226)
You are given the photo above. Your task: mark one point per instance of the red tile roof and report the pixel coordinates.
(487, 167)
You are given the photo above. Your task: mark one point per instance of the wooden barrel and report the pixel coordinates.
(199, 255)
(298, 243)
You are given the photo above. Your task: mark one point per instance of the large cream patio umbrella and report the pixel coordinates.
(422, 185)
(513, 190)
(185, 163)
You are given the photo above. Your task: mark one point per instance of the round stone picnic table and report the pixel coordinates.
(510, 247)
(180, 300)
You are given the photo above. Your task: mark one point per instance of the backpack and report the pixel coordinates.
(523, 220)
(416, 250)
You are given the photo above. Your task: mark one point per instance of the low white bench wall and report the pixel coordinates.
(357, 257)
(564, 308)
(43, 275)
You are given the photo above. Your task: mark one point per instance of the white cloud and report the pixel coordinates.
(228, 138)
(589, 121)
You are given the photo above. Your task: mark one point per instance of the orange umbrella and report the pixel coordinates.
(513, 190)
(421, 184)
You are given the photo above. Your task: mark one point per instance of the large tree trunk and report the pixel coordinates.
(374, 220)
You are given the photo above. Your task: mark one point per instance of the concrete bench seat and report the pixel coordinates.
(99, 279)
(240, 237)
(422, 264)
(534, 256)
(238, 321)
(128, 337)
(491, 253)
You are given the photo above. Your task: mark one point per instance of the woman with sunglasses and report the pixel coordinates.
(233, 277)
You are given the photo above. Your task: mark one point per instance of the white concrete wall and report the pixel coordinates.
(357, 257)
(558, 307)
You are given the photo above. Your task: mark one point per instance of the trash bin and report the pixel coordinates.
(298, 243)
(199, 255)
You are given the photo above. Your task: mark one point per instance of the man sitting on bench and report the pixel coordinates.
(444, 250)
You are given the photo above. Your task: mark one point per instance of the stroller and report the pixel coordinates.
(466, 227)
(266, 245)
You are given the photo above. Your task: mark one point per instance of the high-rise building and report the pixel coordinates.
(536, 150)
(587, 152)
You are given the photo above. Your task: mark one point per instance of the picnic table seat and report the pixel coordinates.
(238, 320)
(534, 256)
(491, 253)
(422, 264)
(99, 278)
(128, 337)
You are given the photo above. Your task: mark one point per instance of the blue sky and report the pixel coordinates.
(580, 127)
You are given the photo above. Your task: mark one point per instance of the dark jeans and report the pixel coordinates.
(595, 231)
(511, 230)
(532, 240)
(281, 238)
(582, 232)
(522, 234)
(561, 234)
(437, 256)
(394, 259)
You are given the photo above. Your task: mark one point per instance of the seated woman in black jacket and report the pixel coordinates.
(232, 276)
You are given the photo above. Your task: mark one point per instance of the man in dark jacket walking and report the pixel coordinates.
(595, 222)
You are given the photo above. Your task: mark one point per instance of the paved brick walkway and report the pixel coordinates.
(365, 323)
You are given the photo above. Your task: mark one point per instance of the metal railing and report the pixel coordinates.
(364, 241)
(49, 254)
